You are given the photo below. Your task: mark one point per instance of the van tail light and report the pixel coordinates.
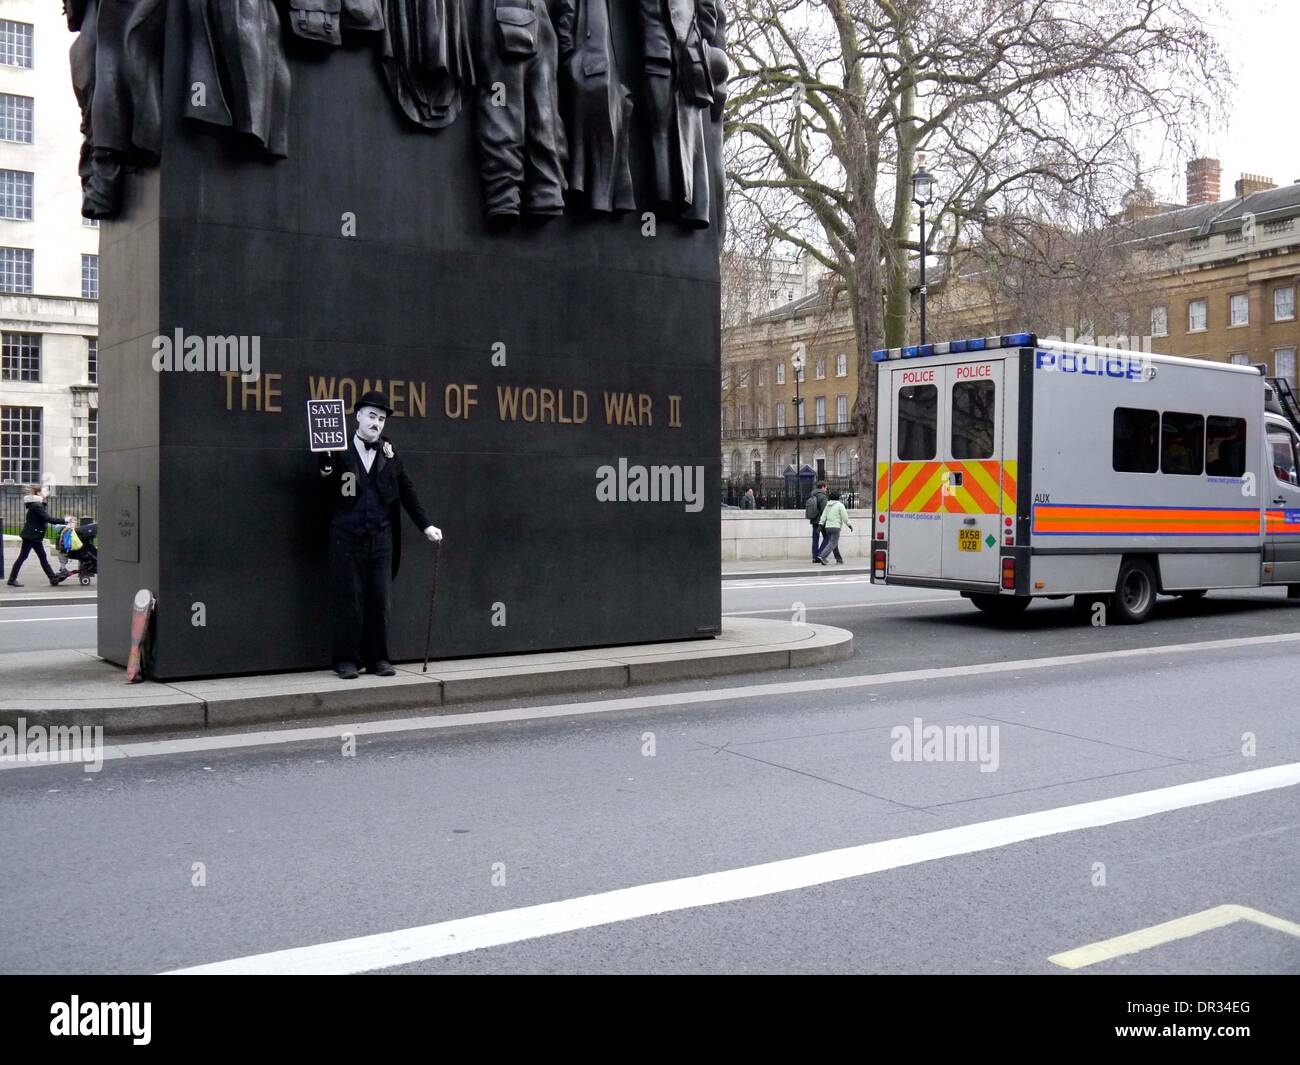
(878, 563)
(1009, 573)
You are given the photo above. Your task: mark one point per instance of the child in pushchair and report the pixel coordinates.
(78, 542)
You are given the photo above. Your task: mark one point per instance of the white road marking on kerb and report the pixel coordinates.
(1159, 934)
(387, 949)
(433, 722)
(41, 621)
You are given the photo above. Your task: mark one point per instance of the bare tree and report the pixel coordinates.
(1024, 108)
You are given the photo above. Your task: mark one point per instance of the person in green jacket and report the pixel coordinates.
(834, 518)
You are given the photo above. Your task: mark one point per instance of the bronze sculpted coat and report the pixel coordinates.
(237, 58)
(427, 59)
(598, 106)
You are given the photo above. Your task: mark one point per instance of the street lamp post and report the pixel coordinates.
(797, 362)
(922, 196)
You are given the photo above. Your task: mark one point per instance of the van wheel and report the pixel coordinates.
(1001, 606)
(1135, 592)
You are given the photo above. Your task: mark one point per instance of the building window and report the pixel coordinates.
(842, 409)
(1196, 316)
(1239, 309)
(801, 409)
(842, 364)
(15, 269)
(744, 377)
(90, 277)
(1159, 321)
(722, 419)
(16, 44)
(841, 462)
(1239, 358)
(735, 464)
(15, 118)
(821, 412)
(780, 417)
(21, 360)
(762, 374)
(819, 460)
(819, 372)
(726, 378)
(1284, 304)
(16, 195)
(780, 373)
(92, 447)
(740, 417)
(1284, 365)
(92, 360)
(20, 445)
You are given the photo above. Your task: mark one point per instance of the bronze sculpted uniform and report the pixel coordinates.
(427, 59)
(521, 137)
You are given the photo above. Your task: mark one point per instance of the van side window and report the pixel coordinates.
(972, 419)
(1136, 447)
(1182, 443)
(918, 422)
(1286, 465)
(1225, 446)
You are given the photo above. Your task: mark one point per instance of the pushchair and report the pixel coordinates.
(80, 547)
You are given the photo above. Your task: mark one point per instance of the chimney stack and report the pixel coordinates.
(1203, 181)
(1250, 183)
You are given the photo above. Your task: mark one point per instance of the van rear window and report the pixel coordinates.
(918, 414)
(972, 419)
(1225, 446)
(1136, 446)
(1182, 443)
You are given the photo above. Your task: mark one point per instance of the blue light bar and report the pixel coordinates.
(880, 356)
(1020, 340)
(911, 352)
(976, 344)
(957, 347)
(926, 349)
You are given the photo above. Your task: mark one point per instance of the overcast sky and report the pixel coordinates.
(1262, 135)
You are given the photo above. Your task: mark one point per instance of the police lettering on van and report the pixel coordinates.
(1093, 364)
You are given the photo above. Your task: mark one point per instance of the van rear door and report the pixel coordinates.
(973, 487)
(915, 475)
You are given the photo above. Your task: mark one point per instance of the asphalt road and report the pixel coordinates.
(1080, 813)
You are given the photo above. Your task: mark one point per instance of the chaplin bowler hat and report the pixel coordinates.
(373, 399)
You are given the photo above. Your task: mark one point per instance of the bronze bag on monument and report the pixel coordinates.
(317, 20)
(365, 15)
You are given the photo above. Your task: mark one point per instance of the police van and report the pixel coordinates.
(1011, 469)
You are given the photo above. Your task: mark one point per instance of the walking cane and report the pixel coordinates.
(433, 594)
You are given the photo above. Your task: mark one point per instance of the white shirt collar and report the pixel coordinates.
(367, 456)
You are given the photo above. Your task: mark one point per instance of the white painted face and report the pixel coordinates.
(370, 423)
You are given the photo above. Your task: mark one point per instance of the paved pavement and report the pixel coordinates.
(1143, 775)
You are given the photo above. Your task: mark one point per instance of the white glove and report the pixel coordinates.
(434, 534)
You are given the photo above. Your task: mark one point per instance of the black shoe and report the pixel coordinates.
(381, 669)
(839, 562)
(58, 579)
(346, 671)
(13, 583)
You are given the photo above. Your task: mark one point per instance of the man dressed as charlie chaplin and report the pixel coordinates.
(366, 487)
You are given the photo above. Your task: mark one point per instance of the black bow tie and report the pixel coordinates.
(370, 446)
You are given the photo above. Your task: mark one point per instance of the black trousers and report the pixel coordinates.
(28, 547)
(360, 581)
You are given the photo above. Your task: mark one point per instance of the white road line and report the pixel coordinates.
(38, 621)
(845, 606)
(409, 945)
(431, 722)
(1168, 932)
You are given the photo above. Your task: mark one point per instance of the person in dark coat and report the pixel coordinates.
(597, 104)
(520, 133)
(237, 56)
(427, 58)
(33, 536)
(813, 511)
(367, 489)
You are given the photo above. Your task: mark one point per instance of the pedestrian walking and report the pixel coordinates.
(747, 500)
(834, 518)
(33, 535)
(813, 512)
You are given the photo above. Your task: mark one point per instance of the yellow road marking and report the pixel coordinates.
(1159, 934)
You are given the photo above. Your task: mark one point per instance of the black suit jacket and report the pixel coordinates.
(395, 489)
